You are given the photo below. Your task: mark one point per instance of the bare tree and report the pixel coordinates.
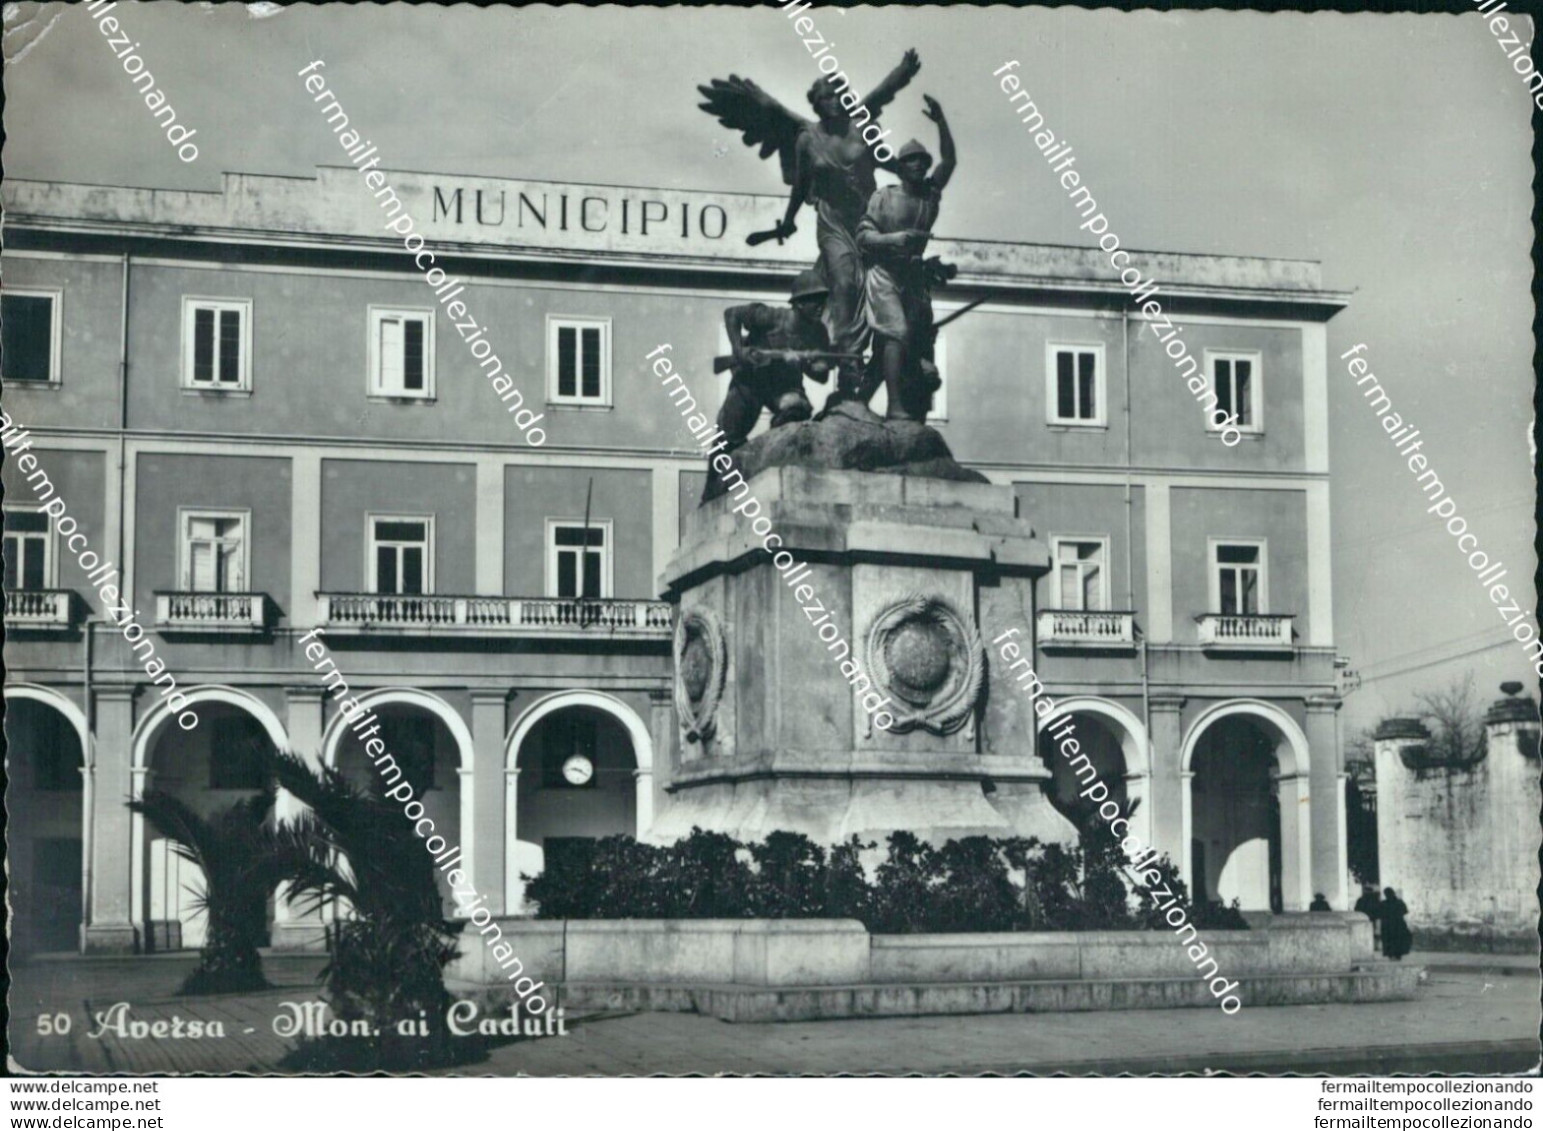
(1456, 723)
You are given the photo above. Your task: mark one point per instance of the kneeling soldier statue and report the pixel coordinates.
(773, 350)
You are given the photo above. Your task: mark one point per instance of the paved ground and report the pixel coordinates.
(1448, 962)
(1462, 1021)
(85, 987)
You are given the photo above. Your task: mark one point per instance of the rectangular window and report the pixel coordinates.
(1082, 576)
(1235, 380)
(29, 545)
(29, 335)
(234, 744)
(1238, 578)
(401, 353)
(214, 551)
(579, 361)
(216, 346)
(577, 567)
(401, 555)
(1075, 384)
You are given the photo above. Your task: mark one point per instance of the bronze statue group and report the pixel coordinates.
(865, 309)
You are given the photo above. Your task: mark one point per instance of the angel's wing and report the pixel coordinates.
(742, 105)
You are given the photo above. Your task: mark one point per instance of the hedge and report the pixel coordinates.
(973, 884)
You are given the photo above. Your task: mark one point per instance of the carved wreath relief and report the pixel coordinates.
(701, 661)
(927, 656)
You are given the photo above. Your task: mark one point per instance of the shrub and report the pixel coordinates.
(971, 884)
(706, 877)
(905, 886)
(976, 893)
(791, 879)
(847, 894)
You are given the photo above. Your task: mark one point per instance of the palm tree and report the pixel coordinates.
(357, 851)
(235, 850)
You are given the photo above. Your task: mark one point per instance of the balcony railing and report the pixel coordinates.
(212, 612)
(1254, 632)
(1086, 628)
(49, 609)
(497, 616)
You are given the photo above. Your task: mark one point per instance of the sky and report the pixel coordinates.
(1394, 149)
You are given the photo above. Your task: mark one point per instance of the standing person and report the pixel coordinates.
(1370, 905)
(893, 235)
(1320, 902)
(1396, 938)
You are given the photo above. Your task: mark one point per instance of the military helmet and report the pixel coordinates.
(913, 148)
(808, 284)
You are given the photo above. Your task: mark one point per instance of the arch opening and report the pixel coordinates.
(45, 836)
(209, 768)
(418, 747)
(1101, 743)
(1236, 845)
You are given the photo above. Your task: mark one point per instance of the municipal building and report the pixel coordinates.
(253, 405)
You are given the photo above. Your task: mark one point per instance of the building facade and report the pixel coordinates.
(260, 413)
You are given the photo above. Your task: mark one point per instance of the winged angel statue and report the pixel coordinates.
(829, 163)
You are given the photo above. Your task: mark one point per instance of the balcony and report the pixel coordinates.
(1086, 630)
(1255, 632)
(214, 613)
(40, 610)
(497, 616)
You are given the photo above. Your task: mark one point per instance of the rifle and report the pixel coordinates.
(960, 313)
(729, 361)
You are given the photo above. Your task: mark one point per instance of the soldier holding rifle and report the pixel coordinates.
(773, 350)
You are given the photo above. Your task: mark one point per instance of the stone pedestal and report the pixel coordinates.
(831, 676)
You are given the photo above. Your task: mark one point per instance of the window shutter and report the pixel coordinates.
(412, 569)
(591, 361)
(1244, 401)
(567, 361)
(231, 578)
(567, 581)
(201, 567)
(203, 344)
(390, 355)
(592, 574)
(230, 347)
(1066, 393)
(412, 360)
(1089, 384)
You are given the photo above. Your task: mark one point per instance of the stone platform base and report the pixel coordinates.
(1470, 940)
(747, 1003)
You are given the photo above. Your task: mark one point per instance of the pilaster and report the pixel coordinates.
(1330, 851)
(1169, 792)
(482, 826)
(115, 866)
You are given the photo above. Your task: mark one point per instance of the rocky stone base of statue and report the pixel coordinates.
(850, 438)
